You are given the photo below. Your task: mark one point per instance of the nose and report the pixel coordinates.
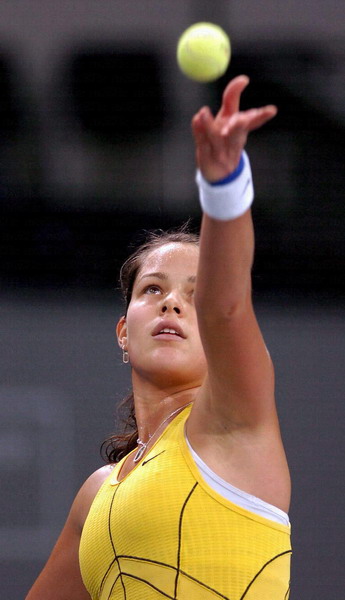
(171, 304)
(165, 308)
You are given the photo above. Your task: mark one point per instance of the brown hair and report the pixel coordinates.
(115, 447)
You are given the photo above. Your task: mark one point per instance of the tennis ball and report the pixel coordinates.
(203, 52)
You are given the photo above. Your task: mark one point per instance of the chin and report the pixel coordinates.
(171, 374)
(169, 367)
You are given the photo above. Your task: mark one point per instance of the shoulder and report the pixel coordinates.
(86, 495)
(61, 576)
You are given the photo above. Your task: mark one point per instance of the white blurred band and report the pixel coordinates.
(228, 200)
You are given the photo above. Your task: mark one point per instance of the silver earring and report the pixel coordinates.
(125, 356)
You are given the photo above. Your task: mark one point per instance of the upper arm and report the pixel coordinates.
(233, 425)
(61, 577)
(240, 380)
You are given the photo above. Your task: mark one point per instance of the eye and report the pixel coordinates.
(152, 289)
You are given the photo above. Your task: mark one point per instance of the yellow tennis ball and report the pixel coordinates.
(203, 52)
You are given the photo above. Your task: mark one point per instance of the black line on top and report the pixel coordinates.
(180, 537)
(147, 560)
(105, 575)
(162, 564)
(262, 568)
(114, 584)
(113, 547)
(204, 585)
(147, 583)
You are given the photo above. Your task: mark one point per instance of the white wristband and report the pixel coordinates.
(229, 200)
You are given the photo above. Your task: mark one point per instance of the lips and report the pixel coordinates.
(168, 330)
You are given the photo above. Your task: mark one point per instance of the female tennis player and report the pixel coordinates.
(196, 505)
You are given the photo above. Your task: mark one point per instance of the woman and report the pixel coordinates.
(198, 508)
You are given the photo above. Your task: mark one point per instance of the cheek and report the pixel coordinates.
(136, 319)
(133, 328)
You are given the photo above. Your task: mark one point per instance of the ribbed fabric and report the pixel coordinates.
(162, 532)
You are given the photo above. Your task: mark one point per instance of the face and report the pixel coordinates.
(160, 331)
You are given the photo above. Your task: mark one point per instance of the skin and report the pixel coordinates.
(219, 362)
(163, 375)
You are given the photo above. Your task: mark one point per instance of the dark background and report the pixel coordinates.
(95, 146)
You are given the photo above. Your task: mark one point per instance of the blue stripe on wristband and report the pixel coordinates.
(232, 175)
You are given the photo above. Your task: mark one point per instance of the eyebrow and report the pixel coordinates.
(164, 276)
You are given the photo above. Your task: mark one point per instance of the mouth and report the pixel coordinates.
(168, 332)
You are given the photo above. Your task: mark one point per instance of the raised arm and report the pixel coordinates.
(240, 369)
(237, 400)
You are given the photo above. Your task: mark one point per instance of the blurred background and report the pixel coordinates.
(95, 146)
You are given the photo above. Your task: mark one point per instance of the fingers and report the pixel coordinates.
(202, 124)
(205, 127)
(259, 116)
(232, 96)
(220, 140)
(248, 120)
(202, 118)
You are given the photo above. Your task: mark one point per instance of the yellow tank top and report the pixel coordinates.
(162, 532)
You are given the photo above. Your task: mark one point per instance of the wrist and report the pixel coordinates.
(231, 176)
(229, 197)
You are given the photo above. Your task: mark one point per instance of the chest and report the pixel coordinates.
(159, 528)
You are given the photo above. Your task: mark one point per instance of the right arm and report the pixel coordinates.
(233, 425)
(61, 578)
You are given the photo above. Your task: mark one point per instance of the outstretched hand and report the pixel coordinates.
(220, 140)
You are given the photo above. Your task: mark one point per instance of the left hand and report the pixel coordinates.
(220, 140)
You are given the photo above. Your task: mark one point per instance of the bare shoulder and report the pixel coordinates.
(86, 495)
(61, 577)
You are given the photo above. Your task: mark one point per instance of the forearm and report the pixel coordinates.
(224, 273)
(227, 241)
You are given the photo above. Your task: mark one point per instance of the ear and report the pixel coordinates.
(121, 332)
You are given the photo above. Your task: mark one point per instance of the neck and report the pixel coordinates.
(153, 405)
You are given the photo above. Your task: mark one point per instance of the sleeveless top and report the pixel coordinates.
(163, 532)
